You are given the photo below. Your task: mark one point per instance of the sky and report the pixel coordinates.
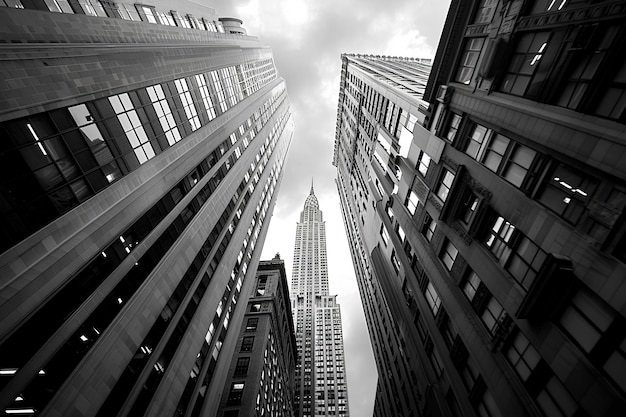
(307, 39)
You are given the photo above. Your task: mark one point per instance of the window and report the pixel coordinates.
(522, 356)
(522, 77)
(206, 97)
(518, 164)
(478, 138)
(235, 394)
(446, 183)
(495, 152)
(430, 225)
(188, 106)
(567, 191)
(132, 126)
(384, 234)
(448, 254)
(241, 369)
(469, 208)
(471, 285)
(149, 12)
(492, 314)
(453, 127)
(469, 59)
(487, 406)
(411, 202)
(423, 163)
(516, 253)
(432, 298)
(252, 324)
(485, 12)
(261, 286)
(162, 109)
(394, 261)
(247, 343)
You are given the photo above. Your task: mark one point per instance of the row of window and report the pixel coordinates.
(114, 9)
(53, 161)
(580, 67)
(579, 198)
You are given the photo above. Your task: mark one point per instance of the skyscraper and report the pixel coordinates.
(380, 105)
(142, 151)
(261, 376)
(498, 249)
(321, 387)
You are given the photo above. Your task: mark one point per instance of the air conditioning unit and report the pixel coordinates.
(444, 93)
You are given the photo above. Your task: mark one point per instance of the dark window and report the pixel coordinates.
(430, 225)
(447, 178)
(241, 369)
(247, 343)
(529, 66)
(252, 324)
(469, 59)
(235, 394)
(485, 11)
(453, 127)
(567, 192)
(515, 252)
(448, 254)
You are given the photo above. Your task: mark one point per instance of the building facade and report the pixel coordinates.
(380, 105)
(261, 380)
(142, 152)
(321, 388)
(501, 247)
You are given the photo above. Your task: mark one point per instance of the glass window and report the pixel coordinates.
(384, 234)
(235, 394)
(453, 127)
(206, 97)
(492, 314)
(522, 356)
(529, 50)
(164, 113)
(149, 12)
(478, 138)
(471, 285)
(241, 369)
(469, 208)
(495, 152)
(411, 202)
(518, 164)
(429, 227)
(448, 254)
(247, 343)
(132, 126)
(432, 298)
(469, 59)
(499, 239)
(567, 191)
(445, 185)
(251, 325)
(486, 10)
(423, 164)
(188, 106)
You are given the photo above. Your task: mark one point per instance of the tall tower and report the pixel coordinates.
(495, 248)
(142, 151)
(320, 370)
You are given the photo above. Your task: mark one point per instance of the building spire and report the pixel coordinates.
(312, 192)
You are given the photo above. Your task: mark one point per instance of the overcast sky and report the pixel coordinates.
(307, 39)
